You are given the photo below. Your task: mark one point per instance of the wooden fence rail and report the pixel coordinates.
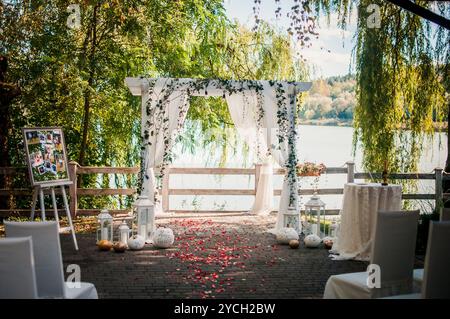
(76, 192)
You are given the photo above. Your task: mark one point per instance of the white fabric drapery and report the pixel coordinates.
(243, 108)
(162, 109)
(263, 204)
(166, 101)
(280, 151)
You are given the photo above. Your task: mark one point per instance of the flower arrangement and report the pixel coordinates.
(310, 169)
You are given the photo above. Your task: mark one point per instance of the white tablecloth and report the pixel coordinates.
(358, 217)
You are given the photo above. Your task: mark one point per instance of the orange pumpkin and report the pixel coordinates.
(119, 247)
(294, 244)
(104, 245)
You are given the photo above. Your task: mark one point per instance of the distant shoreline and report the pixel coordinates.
(438, 127)
(327, 122)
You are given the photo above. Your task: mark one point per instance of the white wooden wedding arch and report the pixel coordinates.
(264, 113)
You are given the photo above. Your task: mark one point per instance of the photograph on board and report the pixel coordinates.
(46, 155)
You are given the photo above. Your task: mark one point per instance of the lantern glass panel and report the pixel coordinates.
(315, 210)
(143, 221)
(124, 233)
(104, 232)
(292, 221)
(150, 222)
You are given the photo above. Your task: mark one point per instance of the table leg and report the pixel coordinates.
(69, 217)
(41, 195)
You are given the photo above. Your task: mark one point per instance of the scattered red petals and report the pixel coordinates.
(213, 253)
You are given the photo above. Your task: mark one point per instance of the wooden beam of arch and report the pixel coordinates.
(137, 84)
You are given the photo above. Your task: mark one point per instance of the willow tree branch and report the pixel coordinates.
(422, 12)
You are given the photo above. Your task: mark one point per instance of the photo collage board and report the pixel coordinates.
(46, 155)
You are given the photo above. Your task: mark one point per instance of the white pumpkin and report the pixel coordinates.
(285, 235)
(312, 241)
(163, 237)
(136, 242)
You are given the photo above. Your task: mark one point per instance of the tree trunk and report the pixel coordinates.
(87, 93)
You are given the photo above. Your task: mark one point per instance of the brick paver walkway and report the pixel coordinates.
(213, 257)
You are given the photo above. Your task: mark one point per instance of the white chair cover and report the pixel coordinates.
(445, 215)
(17, 276)
(48, 259)
(418, 273)
(436, 277)
(393, 250)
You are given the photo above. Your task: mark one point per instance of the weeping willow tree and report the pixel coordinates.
(402, 75)
(400, 90)
(262, 54)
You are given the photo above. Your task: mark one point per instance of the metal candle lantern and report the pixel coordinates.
(105, 226)
(334, 227)
(124, 233)
(314, 209)
(145, 215)
(291, 219)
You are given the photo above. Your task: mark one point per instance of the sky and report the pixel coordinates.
(339, 42)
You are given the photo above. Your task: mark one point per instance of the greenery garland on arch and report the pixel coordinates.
(158, 118)
(287, 133)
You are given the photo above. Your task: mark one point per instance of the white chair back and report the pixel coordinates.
(17, 276)
(436, 278)
(393, 250)
(445, 215)
(47, 255)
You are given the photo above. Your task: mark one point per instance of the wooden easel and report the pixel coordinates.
(39, 189)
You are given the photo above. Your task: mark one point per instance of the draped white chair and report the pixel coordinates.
(48, 261)
(418, 273)
(393, 250)
(445, 215)
(436, 278)
(17, 276)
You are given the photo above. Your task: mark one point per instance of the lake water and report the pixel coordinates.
(331, 145)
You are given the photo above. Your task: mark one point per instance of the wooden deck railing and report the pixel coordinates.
(166, 192)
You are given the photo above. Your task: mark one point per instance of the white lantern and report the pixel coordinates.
(124, 233)
(291, 219)
(145, 215)
(333, 229)
(105, 226)
(314, 211)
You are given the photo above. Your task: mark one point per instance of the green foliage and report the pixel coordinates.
(332, 98)
(399, 88)
(402, 80)
(74, 78)
(264, 54)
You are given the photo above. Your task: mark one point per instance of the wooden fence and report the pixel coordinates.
(166, 192)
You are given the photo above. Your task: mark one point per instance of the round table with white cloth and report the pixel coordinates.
(360, 205)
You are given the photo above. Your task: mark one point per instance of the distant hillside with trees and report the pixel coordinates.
(330, 101)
